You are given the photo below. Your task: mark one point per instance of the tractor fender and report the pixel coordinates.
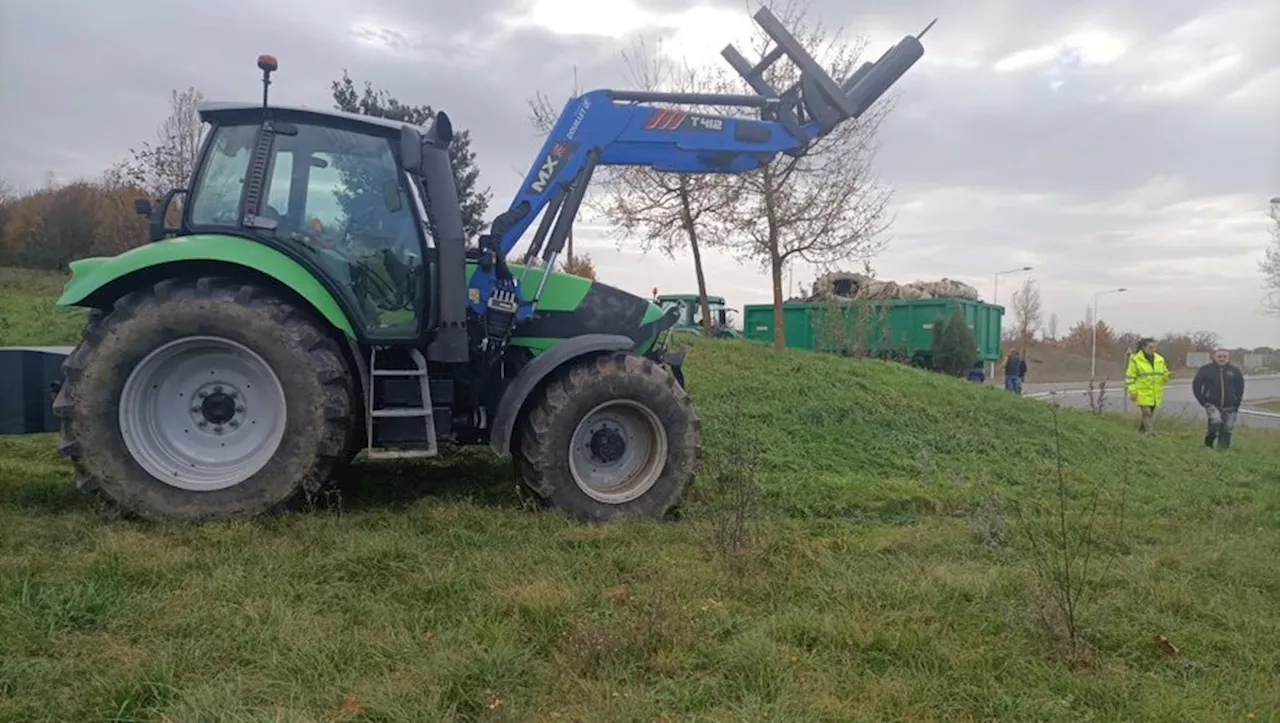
(533, 373)
(97, 282)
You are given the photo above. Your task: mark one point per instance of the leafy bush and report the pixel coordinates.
(954, 345)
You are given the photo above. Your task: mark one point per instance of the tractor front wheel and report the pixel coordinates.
(203, 399)
(612, 435)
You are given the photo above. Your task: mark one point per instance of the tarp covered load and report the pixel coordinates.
(861, 287)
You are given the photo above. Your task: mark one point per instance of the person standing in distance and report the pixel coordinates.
(1144, 380)
(1219, 388)
(1015, 371)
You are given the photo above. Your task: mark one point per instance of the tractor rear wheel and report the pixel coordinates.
(609, 436)
(204, 398)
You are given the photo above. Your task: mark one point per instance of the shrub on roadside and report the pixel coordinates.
(954, 345)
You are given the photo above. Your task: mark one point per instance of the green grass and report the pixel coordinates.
(879, 581)
(28, 316)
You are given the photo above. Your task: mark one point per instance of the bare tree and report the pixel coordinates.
(673, 211)
(1026, 310)
(1052, 332)
(825, 207)
(1270, 264)
(1205, 340)
(169, 162)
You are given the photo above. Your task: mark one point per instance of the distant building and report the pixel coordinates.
(1196, 359)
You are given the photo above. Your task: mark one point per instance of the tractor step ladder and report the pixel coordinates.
(375, 413)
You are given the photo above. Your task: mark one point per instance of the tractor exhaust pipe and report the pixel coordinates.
(450, 341)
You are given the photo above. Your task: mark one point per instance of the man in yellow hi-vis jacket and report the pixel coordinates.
(1145, 379)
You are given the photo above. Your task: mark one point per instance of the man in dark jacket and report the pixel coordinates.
(1219, 388)
(1015, 371)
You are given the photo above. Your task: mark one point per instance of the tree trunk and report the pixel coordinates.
(779, 329)
(686, 217)
(775, 262)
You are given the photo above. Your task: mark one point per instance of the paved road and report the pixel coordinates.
(1178, 398)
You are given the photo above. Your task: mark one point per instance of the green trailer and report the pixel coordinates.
(898, 327)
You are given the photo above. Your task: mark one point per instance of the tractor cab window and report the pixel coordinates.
(338, 195)
(216, 197)
(695, 312)
(719, 314)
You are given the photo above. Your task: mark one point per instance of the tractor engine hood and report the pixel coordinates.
(573, 305)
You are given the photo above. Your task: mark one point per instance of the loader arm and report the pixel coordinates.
(617, 128)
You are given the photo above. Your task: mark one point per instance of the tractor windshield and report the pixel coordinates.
(338, 196)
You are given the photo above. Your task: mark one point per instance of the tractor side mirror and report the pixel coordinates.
(156, 215)
(411, 150)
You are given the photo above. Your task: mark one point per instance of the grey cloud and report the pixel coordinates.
(445, 19)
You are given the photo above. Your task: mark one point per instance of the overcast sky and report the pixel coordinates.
(1106, 144)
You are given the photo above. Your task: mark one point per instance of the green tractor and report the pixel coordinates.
(690, 314)
(317, 299)
(310, 304)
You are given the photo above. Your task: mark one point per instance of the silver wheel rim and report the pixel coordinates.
(202, 413)
(618, 451)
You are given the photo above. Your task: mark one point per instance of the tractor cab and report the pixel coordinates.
(341, 194)
(690, 310)
(331, 192)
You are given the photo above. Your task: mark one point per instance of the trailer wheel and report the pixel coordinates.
(204, 398)
(611, 435)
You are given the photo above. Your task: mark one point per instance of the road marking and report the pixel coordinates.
(1260, 413)
(1066, 392)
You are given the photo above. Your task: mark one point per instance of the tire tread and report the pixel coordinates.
(299, 326)
(538, 455)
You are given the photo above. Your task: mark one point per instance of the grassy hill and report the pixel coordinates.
(28, 315)
(865, 542)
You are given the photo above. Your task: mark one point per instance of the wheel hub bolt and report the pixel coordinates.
(239, 409)
(234, 423)
(217, 429)
(202, 394)
(202, 424)
(217, 389)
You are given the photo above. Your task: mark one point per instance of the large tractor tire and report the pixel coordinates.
(204, 398)
(609, 436)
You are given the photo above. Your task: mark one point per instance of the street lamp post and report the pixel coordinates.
(1093, 355)
(995, 291)
(995, 299)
